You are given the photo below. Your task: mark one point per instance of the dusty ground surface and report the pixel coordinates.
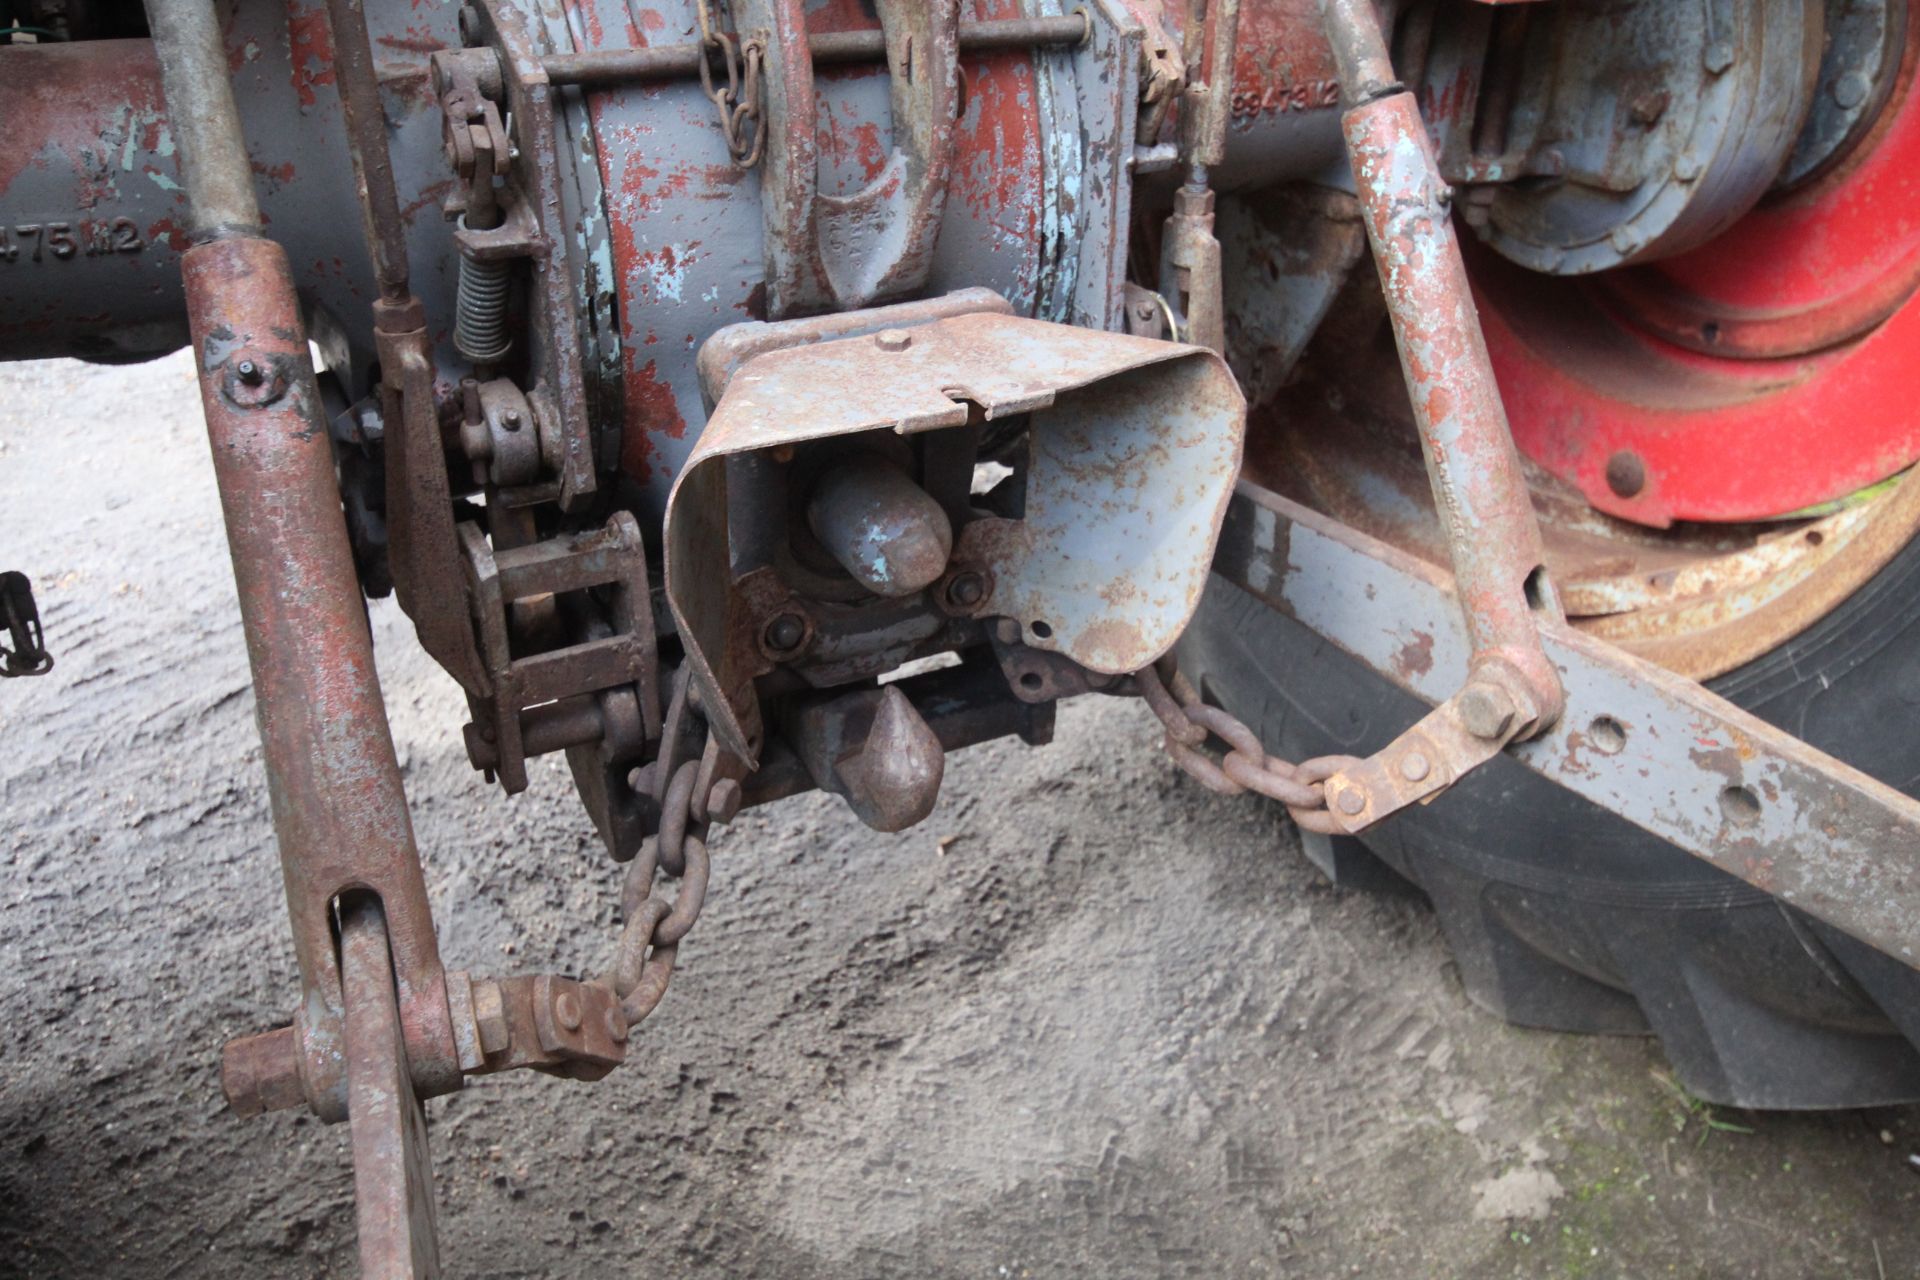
(1117, 1028)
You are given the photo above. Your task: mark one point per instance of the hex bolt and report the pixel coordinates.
(785, 632)
(615, 1024)
(566, 1010)
(1352, 802)
(262, 1072)
(723, 801)
(1414, 766)
(1487, 711)
(967, 589)
(893, 339)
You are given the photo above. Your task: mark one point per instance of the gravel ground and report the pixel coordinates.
(1088, 1020)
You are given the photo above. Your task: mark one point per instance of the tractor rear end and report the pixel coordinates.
(1413, 403)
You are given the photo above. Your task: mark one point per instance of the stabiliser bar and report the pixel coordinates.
(1660, 750)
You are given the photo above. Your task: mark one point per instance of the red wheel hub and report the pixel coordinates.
(1760, 374)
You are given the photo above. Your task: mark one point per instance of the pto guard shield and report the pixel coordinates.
(1133, 448)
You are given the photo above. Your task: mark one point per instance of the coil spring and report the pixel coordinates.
(480, 317)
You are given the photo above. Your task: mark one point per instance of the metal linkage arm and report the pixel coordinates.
(1512, 691)
(338, 806)
(1655, 748)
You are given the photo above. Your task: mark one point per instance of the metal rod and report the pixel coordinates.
(1479, 491)
(367, 143)
(192, 54)
(602, 67)
(392, 1177)
(1359, 50)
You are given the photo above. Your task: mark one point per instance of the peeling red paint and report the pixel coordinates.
(78, 109)
(174, 235)
(311, 45)
(420, 39)
(651, 409)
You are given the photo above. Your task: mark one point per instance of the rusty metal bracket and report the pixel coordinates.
(1655, 748)
(422, 547)
(612, 557)
(531, 200)
(1132, 446)
(836, 252)
(1190, 269)
(543, 1022)
(1512, 690)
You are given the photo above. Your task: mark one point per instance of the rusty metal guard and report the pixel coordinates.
(1134, 445)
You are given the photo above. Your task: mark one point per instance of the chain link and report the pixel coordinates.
(650, 941)
(20, 623)
(742, 121)
(1245, 766)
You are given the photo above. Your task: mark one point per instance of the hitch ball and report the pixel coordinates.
(881, 527)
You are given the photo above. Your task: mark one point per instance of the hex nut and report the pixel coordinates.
(966, 590)
(490, 1016)
(893, 339)
(786, 633)
(1487, 711)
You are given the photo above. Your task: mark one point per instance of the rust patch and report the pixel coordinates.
(1416, 657)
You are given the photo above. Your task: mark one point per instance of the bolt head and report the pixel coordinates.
(967, 590)
(1351, 802)
(616, 1025)
(566, 1010)
(1414, 766)
(785, 632)
(1851, 89)
(1626, 474)
(893, 339)
(1487, 711)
